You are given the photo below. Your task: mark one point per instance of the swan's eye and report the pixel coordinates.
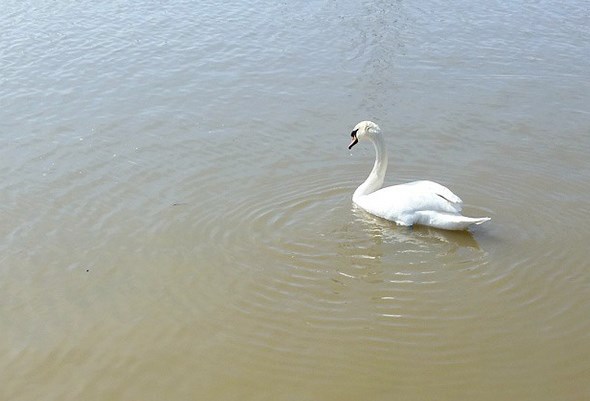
(353, 133)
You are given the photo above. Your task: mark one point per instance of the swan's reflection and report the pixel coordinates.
(388, 232)
(375, 240)
(377, 250)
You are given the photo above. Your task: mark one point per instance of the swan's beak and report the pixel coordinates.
(354, 140)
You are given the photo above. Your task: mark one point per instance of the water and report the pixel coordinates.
(176, 213)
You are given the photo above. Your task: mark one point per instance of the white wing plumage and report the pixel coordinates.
(406, 203)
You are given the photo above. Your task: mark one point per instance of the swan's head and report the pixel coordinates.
(363, 130)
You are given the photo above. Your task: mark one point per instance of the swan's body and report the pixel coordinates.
(419, 202)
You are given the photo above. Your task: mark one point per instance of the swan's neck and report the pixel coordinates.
(375, 179)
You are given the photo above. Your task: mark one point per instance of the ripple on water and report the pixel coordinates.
(312, 266)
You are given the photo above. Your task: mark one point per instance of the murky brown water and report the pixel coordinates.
(175, 201)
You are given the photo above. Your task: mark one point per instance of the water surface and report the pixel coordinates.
(176, 213)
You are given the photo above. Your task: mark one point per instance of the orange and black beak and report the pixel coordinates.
(354, 139)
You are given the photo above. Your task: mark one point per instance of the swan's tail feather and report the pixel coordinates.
(462, 222)
(448, 221)
(481, 220)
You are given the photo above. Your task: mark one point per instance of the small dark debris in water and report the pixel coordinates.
(87, 270)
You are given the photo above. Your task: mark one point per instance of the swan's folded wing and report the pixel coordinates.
(454, 202)
(406, 199)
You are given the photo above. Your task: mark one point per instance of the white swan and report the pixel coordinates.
(419, 202)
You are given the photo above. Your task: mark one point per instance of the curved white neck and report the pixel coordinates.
(375, 179)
